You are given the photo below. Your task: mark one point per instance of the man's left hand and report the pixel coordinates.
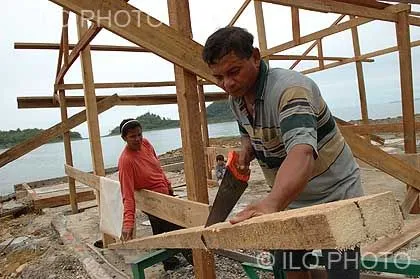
(253, 210)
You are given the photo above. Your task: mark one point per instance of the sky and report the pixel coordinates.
(32, 72)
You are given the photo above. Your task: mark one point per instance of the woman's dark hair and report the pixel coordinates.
(220, 157)
(226, 40)
(128, 124)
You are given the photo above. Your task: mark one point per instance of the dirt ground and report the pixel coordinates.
(56, 244)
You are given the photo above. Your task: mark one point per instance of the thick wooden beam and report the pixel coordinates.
(45, 136)
(329, 31)
(360, 76)
(333, 225)
(91, 110)
(178, 211)
(105, 85)
(407, 94)
(346, 124)
(143, 30)
(67, 152)
(188, 106)
(329, 6)
(52, 46)
(259, 18)
(127, 100)
(381, 160)
(239, 12)
(366, 3)
(320, 54)
(295, 24)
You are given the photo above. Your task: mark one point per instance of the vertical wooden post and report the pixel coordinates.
(295, 25)
(360, 76)
(66, 36)
(68, 153)
(204, 125)
(92, 112)
(187, 97)
(259, 17)
(406, 79)
(320, 54)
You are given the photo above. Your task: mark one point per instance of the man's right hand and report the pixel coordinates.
(246, 155)
(127, 234)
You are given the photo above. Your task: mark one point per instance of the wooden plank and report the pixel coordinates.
(128, 100)
(345, 125)
(83, 177)
(239, 12)
(203, 115)
(320, 54)
(184, 213)
(295, 24)
(312, 57)
(67, 152)
(45, 136)
(144, 30)
(360, 76)
(259, 18)
(412, 20)
(406, 79)
(193, 149)
(314, 43)
(106, 85)
(366, 3)
(379, 159)
(328, 31)
(381, 128)
(334, 225)
(389, 244)
(329, 6)
(52, 46)
(54, 199)
(65, 35)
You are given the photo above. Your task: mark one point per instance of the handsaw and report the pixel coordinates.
(232, 187)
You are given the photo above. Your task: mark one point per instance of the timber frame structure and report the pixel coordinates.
(174, 43)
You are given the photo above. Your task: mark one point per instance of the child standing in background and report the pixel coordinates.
(220, 168)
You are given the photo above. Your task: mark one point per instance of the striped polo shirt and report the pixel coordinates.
(289, 110)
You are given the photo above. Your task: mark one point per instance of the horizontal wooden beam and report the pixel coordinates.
(107, 85)
(366, 3)
(328, 31)
(45, 136)
(143, 30)
(126, 100)
(312, 57)
(329, 6)
(381, 160)
(52, 46)
(340, 224)
(375, 138)
(378, 128)
(182, 212)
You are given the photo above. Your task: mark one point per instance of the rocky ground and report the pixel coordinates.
(56, 244)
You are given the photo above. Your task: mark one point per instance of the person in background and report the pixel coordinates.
(220, 168)
(139, 168)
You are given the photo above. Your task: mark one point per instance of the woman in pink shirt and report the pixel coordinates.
(139, 168)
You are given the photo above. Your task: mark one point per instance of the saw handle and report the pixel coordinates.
(232, 165)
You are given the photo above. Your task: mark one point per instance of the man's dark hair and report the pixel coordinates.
(226, 40)
(220, 157)
(128, 124)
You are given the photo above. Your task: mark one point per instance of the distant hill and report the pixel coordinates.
(13, 137)
(219, 112)
(150, 121)
(216, 112)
